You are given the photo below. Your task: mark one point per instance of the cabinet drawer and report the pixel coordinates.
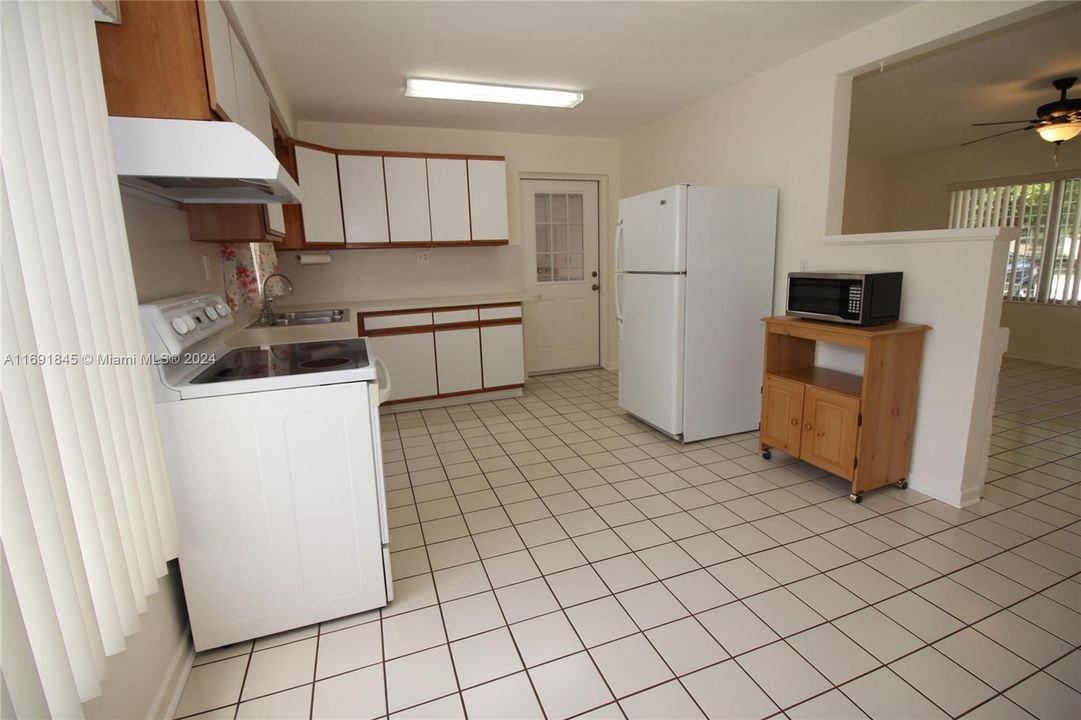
(384, 322)
(456, 316)
(501, 313)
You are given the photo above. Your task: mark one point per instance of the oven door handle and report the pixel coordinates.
(382, 380)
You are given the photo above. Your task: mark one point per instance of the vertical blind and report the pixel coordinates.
(87, 523)
(1044, 262)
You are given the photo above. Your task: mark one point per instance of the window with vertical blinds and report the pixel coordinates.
(1044, 263)
(87, 522)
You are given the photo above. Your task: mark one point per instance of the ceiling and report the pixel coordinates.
(930, 102)
(635, 61)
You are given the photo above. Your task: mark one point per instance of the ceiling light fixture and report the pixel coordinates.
(480, 92)
(1059, 132)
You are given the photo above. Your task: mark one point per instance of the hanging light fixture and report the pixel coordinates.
(1059, 132)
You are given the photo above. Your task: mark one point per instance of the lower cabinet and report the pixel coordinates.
(438, 352)
(410, 360)
(457, 354)
(782, 411)
(816, 425)
(830, 426)
(501, 351)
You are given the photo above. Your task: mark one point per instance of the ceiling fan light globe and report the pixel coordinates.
(1059, 132)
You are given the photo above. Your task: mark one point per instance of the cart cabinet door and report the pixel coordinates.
(830, 427)
(782, 413)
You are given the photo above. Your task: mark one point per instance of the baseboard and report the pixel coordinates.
(947, 493)
(1047, 359)
(449, 400)
(167, 697)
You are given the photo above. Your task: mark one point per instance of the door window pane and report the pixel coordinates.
(560, 251)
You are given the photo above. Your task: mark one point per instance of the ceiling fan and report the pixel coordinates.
(1056, 121)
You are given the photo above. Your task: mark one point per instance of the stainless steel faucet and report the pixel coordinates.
(266, 315)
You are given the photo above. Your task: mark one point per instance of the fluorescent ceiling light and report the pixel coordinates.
(479, 92)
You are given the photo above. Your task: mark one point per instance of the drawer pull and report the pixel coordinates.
(807, 426)
(795, 421)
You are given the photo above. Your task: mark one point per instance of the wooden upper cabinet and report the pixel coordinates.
(448, 199)
(782, 413)
(364, 198)
(407, 199)
(830, 429)
(154, 63)
(488, 199)
(317, 175)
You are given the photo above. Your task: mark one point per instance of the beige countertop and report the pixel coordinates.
(244, 335)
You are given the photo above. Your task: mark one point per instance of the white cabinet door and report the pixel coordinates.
(448, 198)
(407, 199)
(317, 173)
(410, 361)
(242, 74)
(501, 350)
(457, 354)
(364, 198)
(263, 128)
(221, 59)
(488, 199)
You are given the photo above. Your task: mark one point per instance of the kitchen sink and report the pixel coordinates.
(306, 317)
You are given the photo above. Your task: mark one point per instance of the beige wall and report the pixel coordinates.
(1047, 333)
(165, 261)
(367, 274)
(142, 679)
(909, 192)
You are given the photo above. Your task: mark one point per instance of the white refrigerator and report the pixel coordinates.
(694, 278)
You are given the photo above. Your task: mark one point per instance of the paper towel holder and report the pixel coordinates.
(316, 258)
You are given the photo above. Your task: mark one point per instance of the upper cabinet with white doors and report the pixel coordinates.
(404, 199)
(317, 175)
(185, 60)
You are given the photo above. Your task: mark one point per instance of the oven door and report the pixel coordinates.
(825, 298)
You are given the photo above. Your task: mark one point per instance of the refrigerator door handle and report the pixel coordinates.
(619, 246)
(619, 297)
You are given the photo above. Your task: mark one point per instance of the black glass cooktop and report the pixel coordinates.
(251, 363)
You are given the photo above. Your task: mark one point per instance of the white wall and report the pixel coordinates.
(164, 259)
(367, 274)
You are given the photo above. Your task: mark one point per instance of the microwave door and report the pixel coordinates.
(817, 297)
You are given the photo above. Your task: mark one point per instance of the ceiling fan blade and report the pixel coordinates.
(1001, 122)
(1007, 132)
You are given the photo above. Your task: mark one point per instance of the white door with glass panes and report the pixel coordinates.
(560, 235)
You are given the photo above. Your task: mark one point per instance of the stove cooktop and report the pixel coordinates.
(250, 363)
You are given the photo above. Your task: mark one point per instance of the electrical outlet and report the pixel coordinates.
(206, 267)
(423, 257)
(804, 265)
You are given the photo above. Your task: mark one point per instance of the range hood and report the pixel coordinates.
(199, 161)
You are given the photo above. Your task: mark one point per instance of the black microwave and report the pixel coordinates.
(871, 298)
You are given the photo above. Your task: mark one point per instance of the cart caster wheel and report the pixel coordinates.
(902, 483)
(856, 498)
(766, 454)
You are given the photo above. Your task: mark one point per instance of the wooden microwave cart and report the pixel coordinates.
(858, 428)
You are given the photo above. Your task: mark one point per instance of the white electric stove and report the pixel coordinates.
(273, 454)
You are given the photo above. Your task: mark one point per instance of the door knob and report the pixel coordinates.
(593, 274)
(807, 426)
(795, 421)
(596, 286)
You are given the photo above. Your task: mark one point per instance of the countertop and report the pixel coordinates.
(243, 335)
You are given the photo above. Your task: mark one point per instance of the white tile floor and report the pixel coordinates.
(554, 558)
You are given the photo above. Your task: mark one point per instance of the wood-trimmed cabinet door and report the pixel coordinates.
(317, 175)
(410, 362)
(488, 199)
(457, 360)
(782, 413)
(830, 429)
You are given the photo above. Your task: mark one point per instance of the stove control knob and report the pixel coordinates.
(222, 309)
(180, 326)
(190, 321)
(210, 312)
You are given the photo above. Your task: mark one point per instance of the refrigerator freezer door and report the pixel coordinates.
(651, 349)
(653, 233)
